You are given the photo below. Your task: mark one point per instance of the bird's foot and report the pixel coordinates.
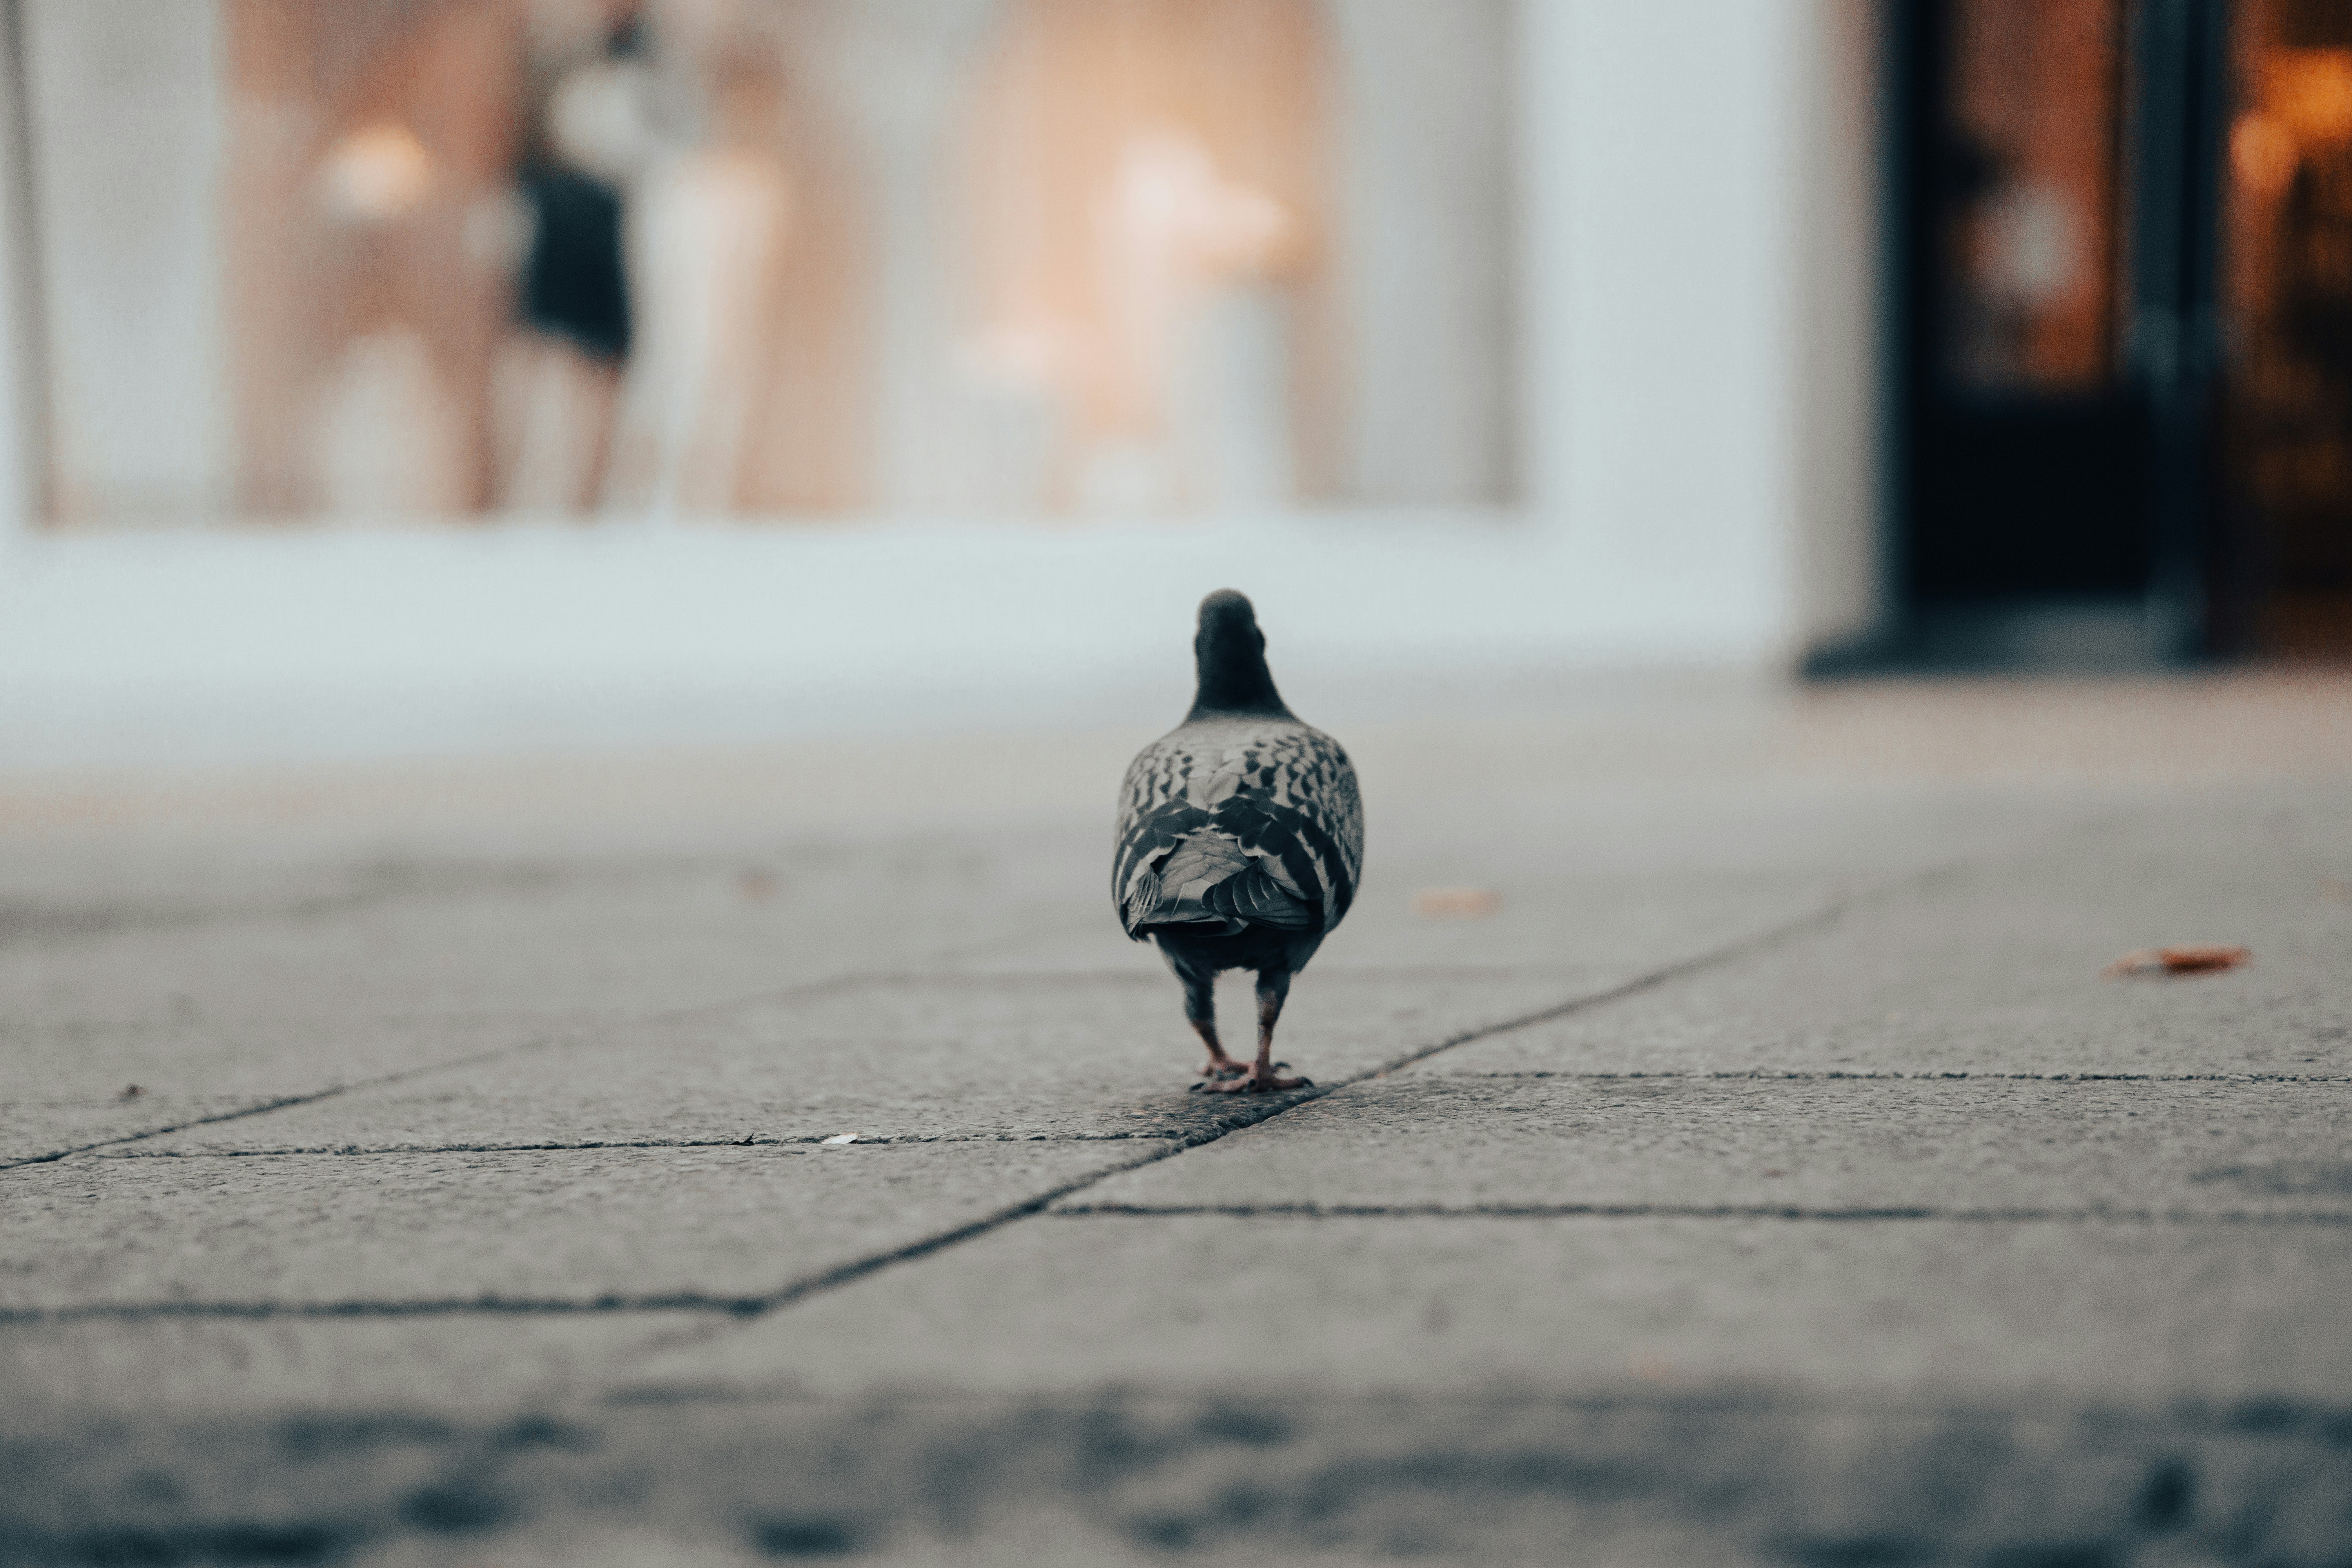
(1227, 1071)
(1255, 1079)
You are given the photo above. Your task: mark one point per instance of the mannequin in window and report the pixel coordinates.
(562, 372)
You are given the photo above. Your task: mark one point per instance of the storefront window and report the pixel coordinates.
(776, 259)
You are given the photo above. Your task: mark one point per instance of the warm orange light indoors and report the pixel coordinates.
(2034, 99)
(2310, 92)
(2286, 253)
(376, 175)
(2263, 154)
(1128, 167)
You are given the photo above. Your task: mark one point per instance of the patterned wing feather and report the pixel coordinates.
(1284, 794)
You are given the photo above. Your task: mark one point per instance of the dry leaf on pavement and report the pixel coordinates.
(1455, 903)
(2196, 958)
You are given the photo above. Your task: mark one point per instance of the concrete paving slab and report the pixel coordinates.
(204, 1440)
(1973, 1145)
(1655, 1482)
(2007, 1313)
(355, 1371)
(1997, 967)
(570, 1228)
(1613, 923)
(2160, 1386)
(222, 977)
(629, 939)
(907, 1057)
(82, 1086)
(1212, 1480)
(244, 996)
(1607, 874)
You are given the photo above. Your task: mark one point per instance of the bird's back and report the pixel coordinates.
(1231, 821)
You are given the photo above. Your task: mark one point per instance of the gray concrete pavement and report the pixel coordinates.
(574, 1225)
(1990, 1312)
(1774, 1178)
(1837, 1147)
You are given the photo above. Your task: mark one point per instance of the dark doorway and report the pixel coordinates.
(2057, 209)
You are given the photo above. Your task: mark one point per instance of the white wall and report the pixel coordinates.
(1701, 250)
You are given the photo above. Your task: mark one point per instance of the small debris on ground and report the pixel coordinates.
(2204, 958)
(843, 1138)
(1456, 903)
(132, 1091)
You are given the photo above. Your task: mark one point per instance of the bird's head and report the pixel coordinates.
(1230, 652)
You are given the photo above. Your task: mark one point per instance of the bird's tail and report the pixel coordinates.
(1209, 885)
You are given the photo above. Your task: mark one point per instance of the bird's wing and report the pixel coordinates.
(1306, 792)
(1286, 795)
(1154, 779)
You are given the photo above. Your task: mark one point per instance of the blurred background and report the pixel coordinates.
(398, 374)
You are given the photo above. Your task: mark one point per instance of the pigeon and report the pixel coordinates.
(1241, 836)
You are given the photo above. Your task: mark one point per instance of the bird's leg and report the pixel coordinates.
(1201, 1009)
(1273, 987)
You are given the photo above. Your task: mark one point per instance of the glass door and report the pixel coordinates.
(2056, 286)
(2025, 448)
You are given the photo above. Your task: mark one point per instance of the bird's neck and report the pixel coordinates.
(1235, 680)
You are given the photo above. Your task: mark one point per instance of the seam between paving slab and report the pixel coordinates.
(921, 1140)
(573, 1036)
(262, 1109)
(880, 1140)
(1710, 1211)
(906, 1140)
(953, 952)
(914, 1140)
(1836, 905)
(585, 1033)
